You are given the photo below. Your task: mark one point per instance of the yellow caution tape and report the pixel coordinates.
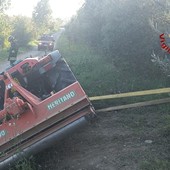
(131, 94)
(133, 105)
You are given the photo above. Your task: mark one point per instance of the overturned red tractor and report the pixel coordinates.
(40, 101)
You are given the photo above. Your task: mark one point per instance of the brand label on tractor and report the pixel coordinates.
(2, 133)
(61, 100)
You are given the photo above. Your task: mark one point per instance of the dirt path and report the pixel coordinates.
(5, 64)
(125, 140)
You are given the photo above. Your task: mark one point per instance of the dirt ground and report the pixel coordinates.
(132, 139)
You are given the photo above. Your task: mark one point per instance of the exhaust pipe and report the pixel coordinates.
(44, 143)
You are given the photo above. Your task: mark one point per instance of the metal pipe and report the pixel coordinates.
(44, 143)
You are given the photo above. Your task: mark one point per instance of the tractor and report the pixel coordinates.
(41, 101)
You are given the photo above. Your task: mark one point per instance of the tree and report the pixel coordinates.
(22, 30)
(116, 26)
(5, 27)
(42, 15)
(4, 5)
(118, 29)
(55, 24)
(5, 30)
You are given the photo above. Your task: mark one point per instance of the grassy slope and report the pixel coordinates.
(101, 75)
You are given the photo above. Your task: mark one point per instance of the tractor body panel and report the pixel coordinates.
(40, 98)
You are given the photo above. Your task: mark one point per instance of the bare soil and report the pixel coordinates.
(132, 139)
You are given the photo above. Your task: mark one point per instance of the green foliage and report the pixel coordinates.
(120, 27)
(160, 11)
(116, 29)
(22, 30)
(165, 130)
(26, 29)
(5, 30)
(155, 165)
(54, 25)
(3, 54)
(25, 164)
(42, 15)
(4, 5)
(100, 75)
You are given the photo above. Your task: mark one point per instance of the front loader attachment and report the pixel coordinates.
(41, 101)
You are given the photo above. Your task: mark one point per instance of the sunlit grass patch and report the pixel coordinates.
(155, 165)
(3, 54)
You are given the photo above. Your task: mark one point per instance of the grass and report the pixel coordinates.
(102, 75)
(25, 164)
(33, 43)
(165, 130)
(156, 164)
(3, 54)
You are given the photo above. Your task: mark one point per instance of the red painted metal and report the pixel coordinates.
(26, 119)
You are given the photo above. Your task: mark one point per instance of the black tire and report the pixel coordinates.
(66, 76)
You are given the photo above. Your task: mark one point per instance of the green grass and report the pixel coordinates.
(165, 129)
(3, 54)
(33, 43)
(155, 165)
(25, 164)
(102, 75)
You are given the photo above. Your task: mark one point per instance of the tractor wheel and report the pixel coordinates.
(65, 77)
